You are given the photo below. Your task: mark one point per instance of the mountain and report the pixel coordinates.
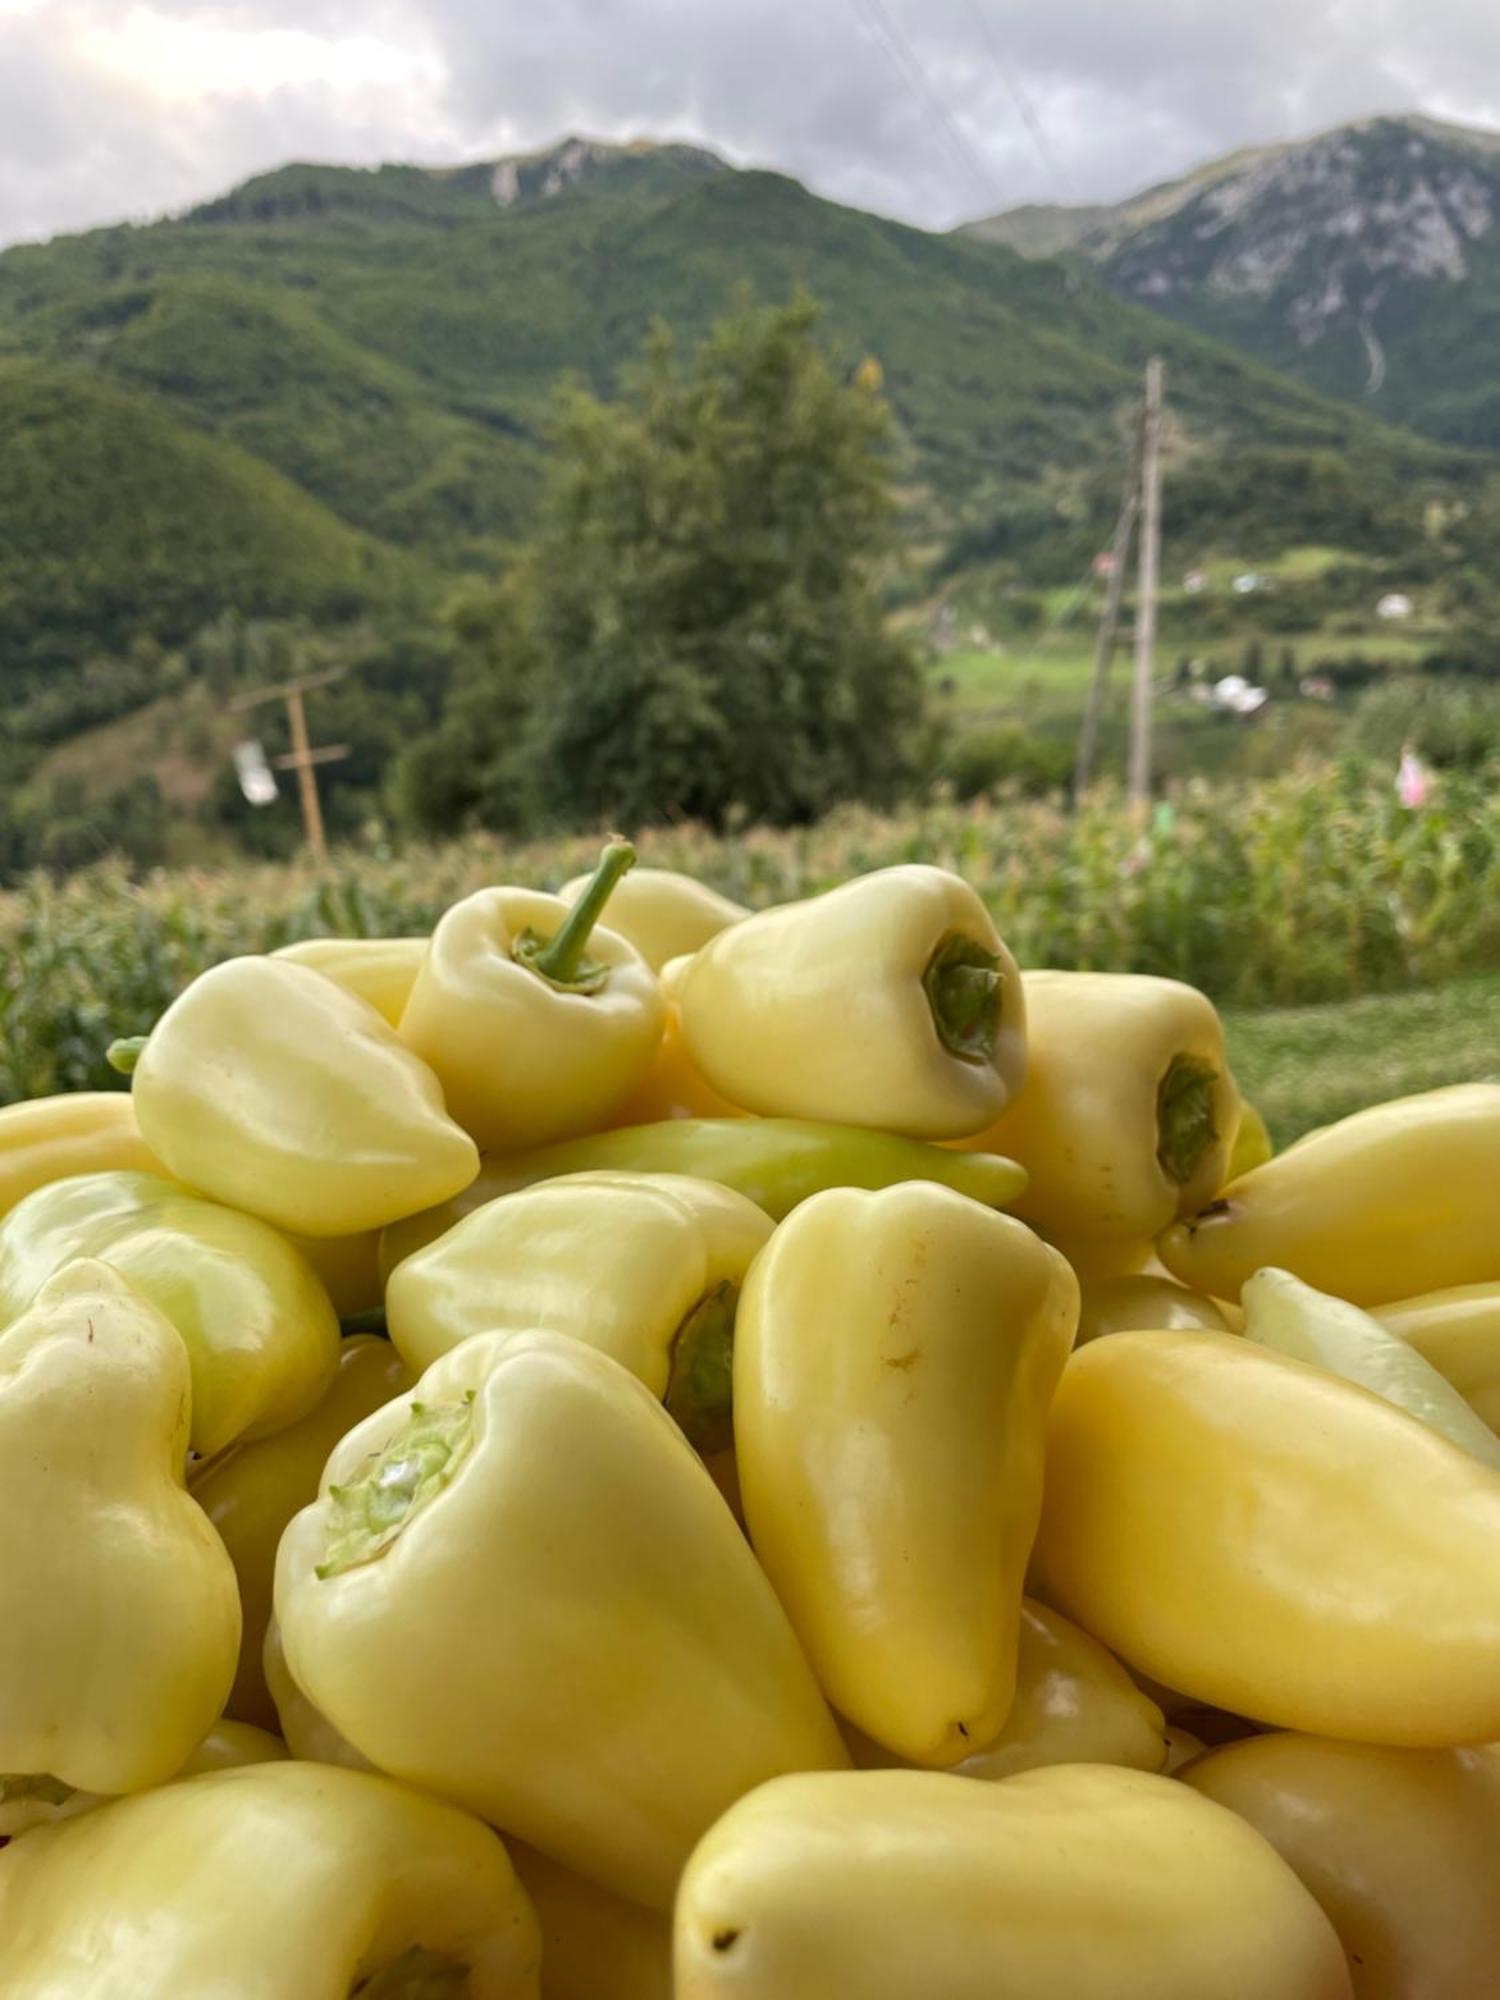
(1365, 262)
(331, 385)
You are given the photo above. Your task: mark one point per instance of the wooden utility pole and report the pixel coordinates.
(302, 758)
(1145, 610)
(1088, 740)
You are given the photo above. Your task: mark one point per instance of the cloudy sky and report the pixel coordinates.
(932, 110)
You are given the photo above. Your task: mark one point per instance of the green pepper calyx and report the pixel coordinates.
(562, 960)
(125, 1052)
(1185, 1126)
(367, 1515)
(416, 1975)
(700, 1386)
(38, 1785)
(963, 983)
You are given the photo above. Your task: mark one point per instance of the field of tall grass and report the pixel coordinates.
(1317, 885)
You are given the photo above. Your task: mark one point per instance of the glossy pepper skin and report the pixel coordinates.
(595, 1946)
(1139, 1300)
(530, 1047)
(673, 1086)
(663, 914)
(377, 970)
(1283, 1313)
(1082, 1881)
(894, 1358)
(251, 1493)
(55, 1138)
(624, 1672)
(1128, 1113)
(1273, 1541)
(776, 1162)
(1074, 1704)
(1393, 1201)
(1398, 1847)
(890, 1002)
(1252, 1143)
(645, 1267)
(226, 1746)
(307, 1732)
(119, 1619)
(272, 1089)
(263, 1883)
(260, 1334)
(1458, 1331)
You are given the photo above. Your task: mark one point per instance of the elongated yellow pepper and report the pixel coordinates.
(538, 1022)
(663, 914)
(645, 1267)
(890, 1001)
(378, 970)
(260, 1334)
(1273, 1540)
(119, 1619)
(266, 1882)
(272, 1089)
(1083, 1881)
(1075, 1704)
(1458, 1331)
(53, 1138)
(623, 1673)
(1128, 1112)
(595, 1946)
(1398, 1846)
(1139, 1300)
(251, 1493)
(894, 1357)
(1393, 1201)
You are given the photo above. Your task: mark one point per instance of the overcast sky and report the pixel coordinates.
(932, 110)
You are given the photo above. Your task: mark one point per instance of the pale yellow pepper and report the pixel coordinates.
(1395, 1200)
(278, 1881)
(1252, 1143)
(251, 1493)
(1139, 1300)
(53, 1138)
(1129, 1111)
(1398, 1846)
(306, 1730)
(539, 1022)
(520, 1590)
(645, 1267)
(226, 1747)
(894, 1357)
(1082, 1882)
(595, 1946)
(663, 914)
(674, 1086)
(1458, 1331)
(1075, 1704)
(270, 1088)
(1273, 1540)
(119, 1618)
(378, 970)
(890, 1001)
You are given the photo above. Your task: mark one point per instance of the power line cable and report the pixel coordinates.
(878, 17)
(1011, 83)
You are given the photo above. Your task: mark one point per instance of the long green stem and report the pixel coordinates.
(562, 959)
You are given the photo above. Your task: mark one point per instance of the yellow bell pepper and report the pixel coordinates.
(1398, 1847)
(1123, 1305)
(42, 1802)
(251, 1493)
(595, 1946)
(264, 1883)
(1082, 1882)
(377, 970)
(1392, 1201)
(1273, 1541)
(894, 1357)
(519, 1590)
(1252, 1143)
(53, 1138)
(272, 1089)
(538, 1023)
(890, 1001)
(1075, 1704)
(673, 1086)
(1283, 1313)
(1129, 1111)
(663, 914)
(1458, 1331)
(260, 1334)
(307, 1732)
(776, 1162)
(119, 1619)
(645, 1267)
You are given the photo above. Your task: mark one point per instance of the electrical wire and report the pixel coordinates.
(877, 16)
(1011, 83)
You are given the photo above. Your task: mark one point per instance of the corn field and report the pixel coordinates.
(1317, 885)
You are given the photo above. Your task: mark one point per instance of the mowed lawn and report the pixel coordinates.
(1304, 1066)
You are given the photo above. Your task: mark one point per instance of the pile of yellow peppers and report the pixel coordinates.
(634, 1448)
